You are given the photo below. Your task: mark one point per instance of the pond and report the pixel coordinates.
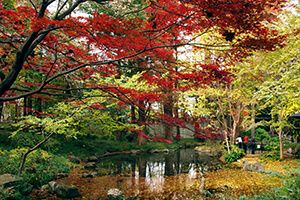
(173, 175)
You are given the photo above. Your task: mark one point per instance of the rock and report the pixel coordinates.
(92, 159)
(115, 194)
(74, 159)
(90, 165)
(65, 191)
(211, 151)
(52, 186)
(7, 180)
(89, 175)
(159, 151)
(61, 175)
(254, 167)
(45, 187)
(135, 151)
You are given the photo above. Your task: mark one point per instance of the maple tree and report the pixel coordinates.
(54, 48)
(56, 43)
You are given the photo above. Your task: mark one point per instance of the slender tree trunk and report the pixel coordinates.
(141, 121)
(253, 121)
(227, 142)
(280, 144)
(1, 110)
(224, 122)
(178, 136)
(168, 110)
(22, 164)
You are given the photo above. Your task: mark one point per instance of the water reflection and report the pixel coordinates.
(158, 165)
(175, 175)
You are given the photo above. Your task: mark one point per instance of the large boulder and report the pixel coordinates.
(254, 167)
(115, 194)
(64, 191)
(8, 180)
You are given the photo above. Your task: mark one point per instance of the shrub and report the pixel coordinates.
(40, 168)
(270, 155)
(271, 149)
(234, 154)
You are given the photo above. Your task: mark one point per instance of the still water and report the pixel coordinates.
(173, 175)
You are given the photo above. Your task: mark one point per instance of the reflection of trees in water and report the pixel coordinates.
(159, 165)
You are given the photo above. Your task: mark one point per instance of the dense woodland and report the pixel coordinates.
(82, 78)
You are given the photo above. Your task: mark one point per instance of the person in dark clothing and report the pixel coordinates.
(253, 146)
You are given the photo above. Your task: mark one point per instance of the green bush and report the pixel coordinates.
(262, 135)
(270, 155)
(272, 144)
(271, 149)
(40, 167)
(234, 154)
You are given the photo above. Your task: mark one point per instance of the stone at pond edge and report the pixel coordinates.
(254, 167)
(52, 185)
(90, 175)
(66, 191)
(7, 180)
(74, 159)
(115, 194)
(135, 151)
(90, 165)
(63, 191)
(92, 159)
(61, 175)
(159, 151)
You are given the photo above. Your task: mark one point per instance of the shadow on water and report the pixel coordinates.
(172, 175)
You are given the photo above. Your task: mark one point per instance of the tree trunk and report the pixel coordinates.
(280, 144)
(141, 121)
(227, 142)
(168, 110)
(1, 110)
(22, 164)
(178, 136)
(253, 121)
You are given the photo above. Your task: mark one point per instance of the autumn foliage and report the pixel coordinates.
(44, 50)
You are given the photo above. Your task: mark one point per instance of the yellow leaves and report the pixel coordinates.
(240, 182)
